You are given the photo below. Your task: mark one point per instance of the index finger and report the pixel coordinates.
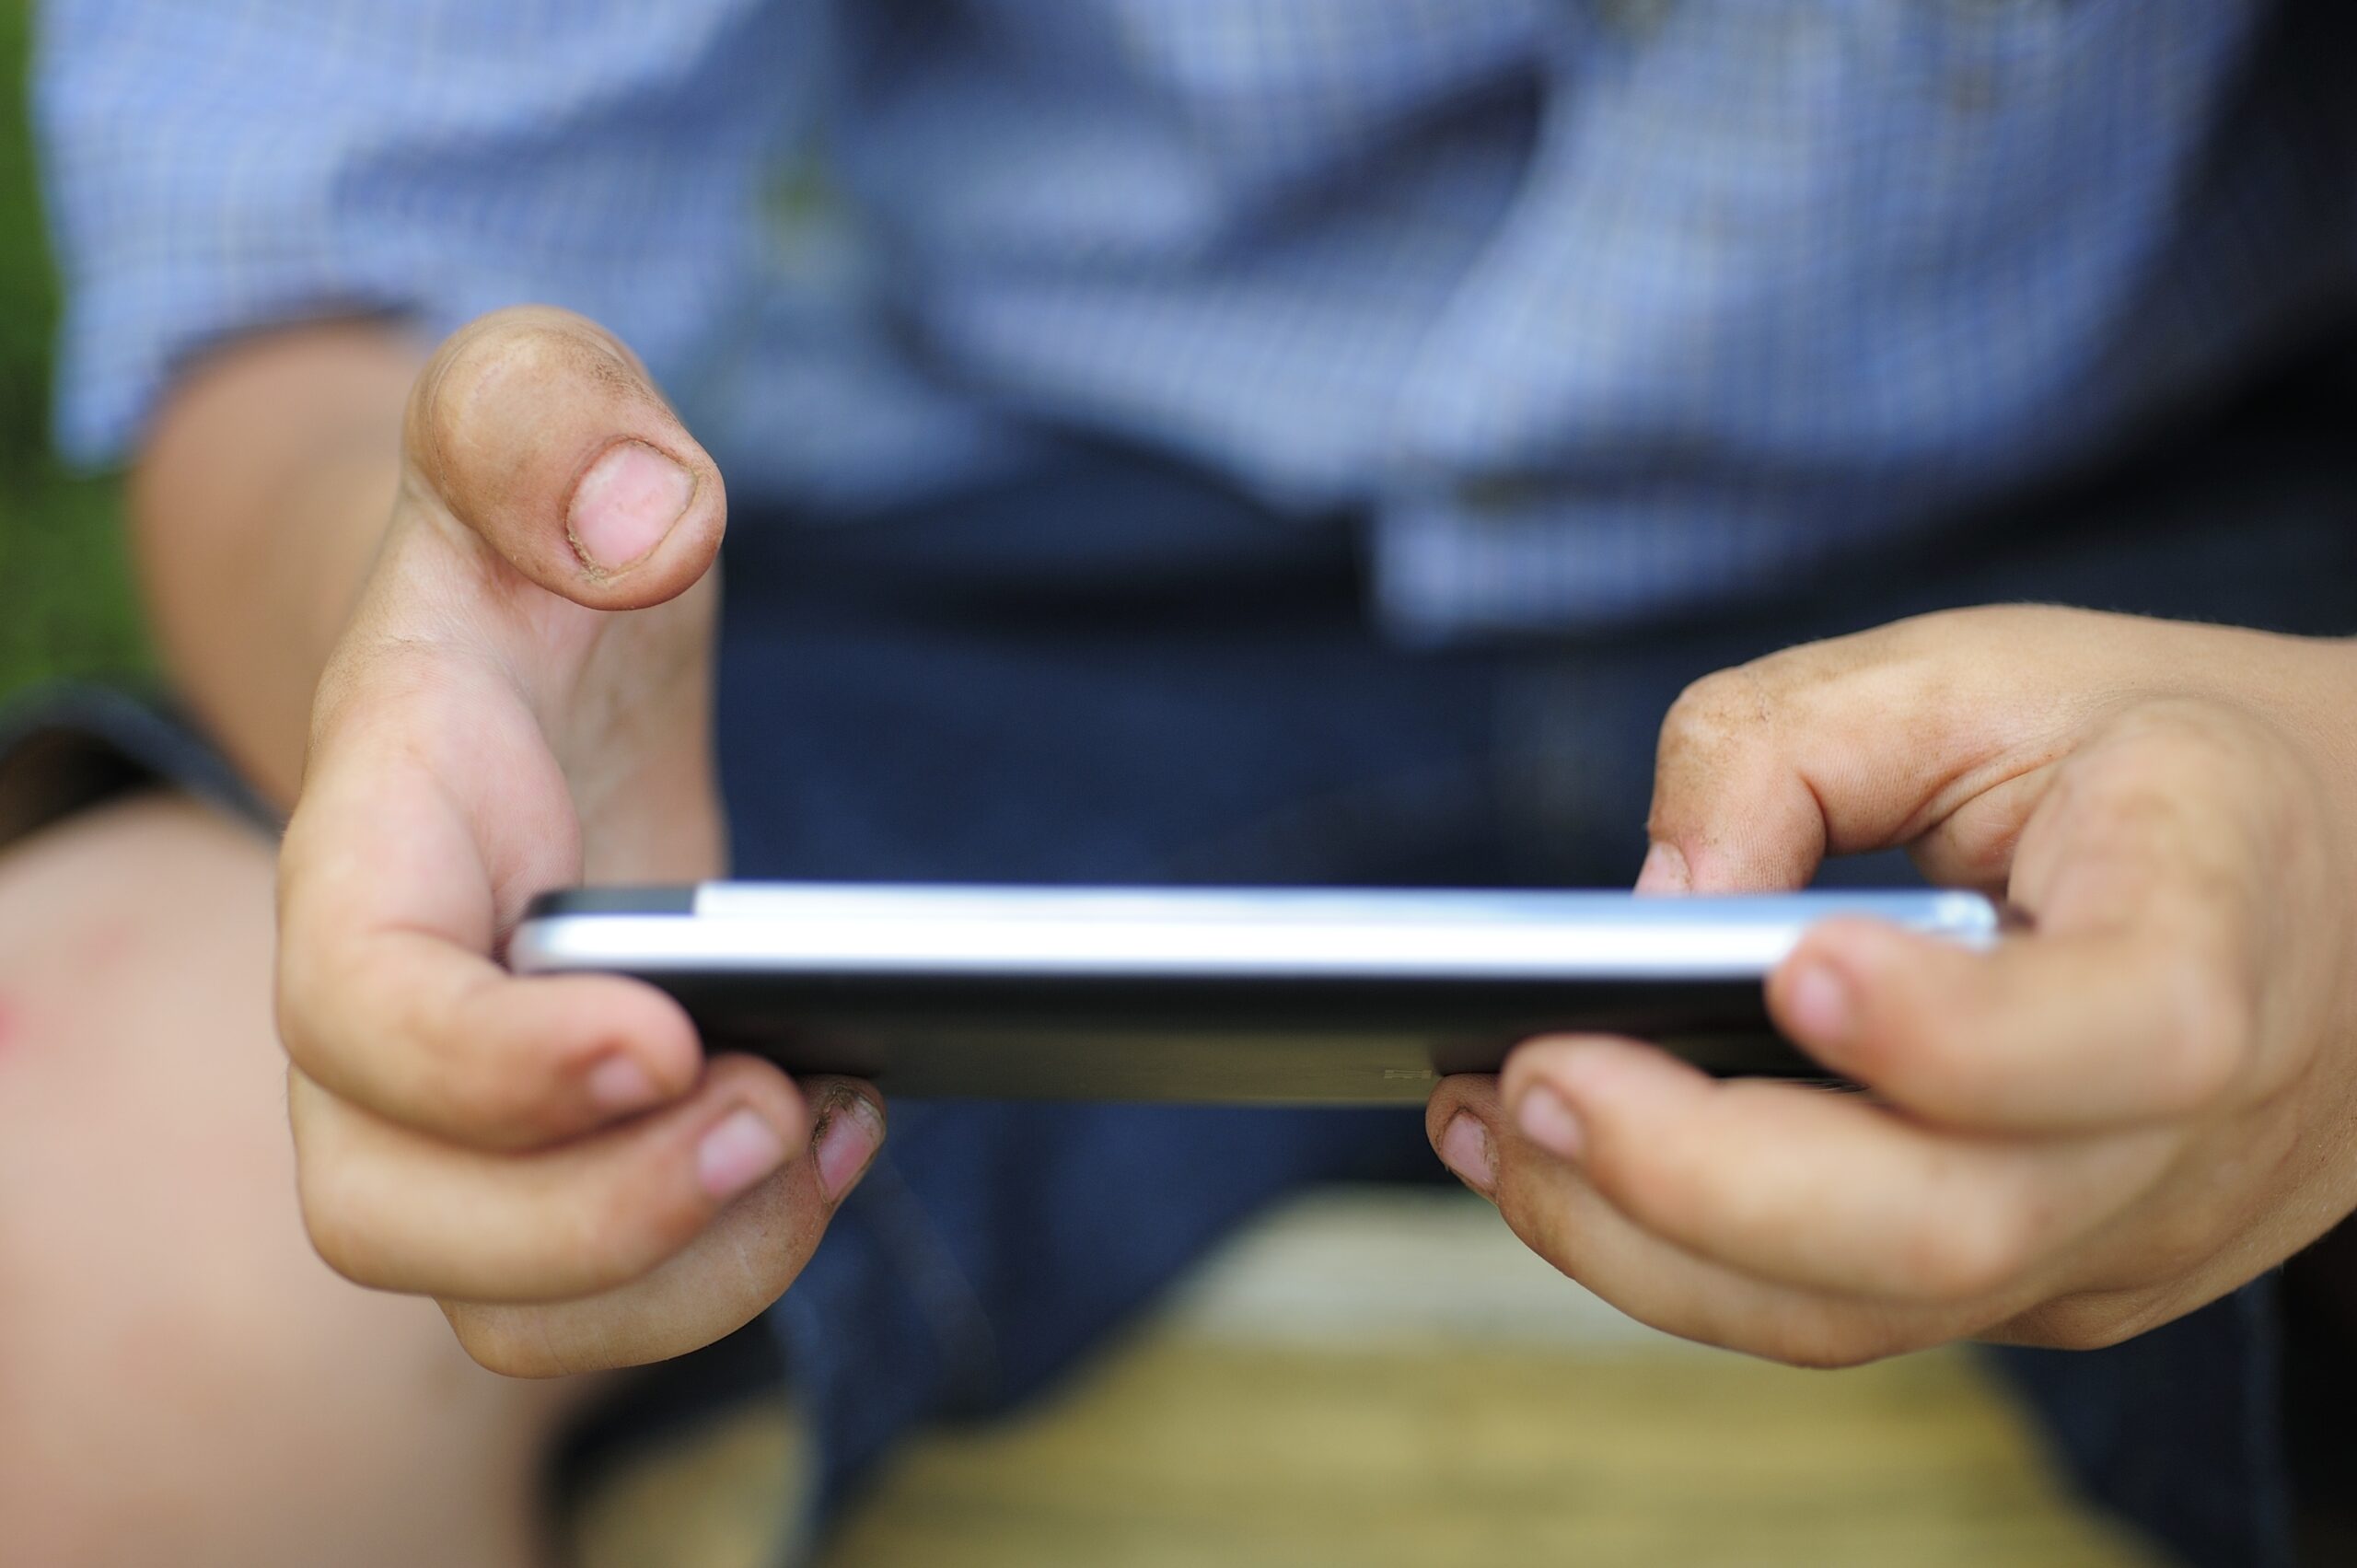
(1930, 727)
(389, 907)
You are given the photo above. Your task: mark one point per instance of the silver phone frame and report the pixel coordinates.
(1206, 934)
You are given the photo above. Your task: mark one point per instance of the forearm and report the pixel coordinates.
(257, 503)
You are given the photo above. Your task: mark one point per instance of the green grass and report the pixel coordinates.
(65, 606)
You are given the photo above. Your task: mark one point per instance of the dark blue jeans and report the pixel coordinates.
(1111, 669)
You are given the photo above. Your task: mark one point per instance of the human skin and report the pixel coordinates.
(2102, 1124)
(2126, 1109)
(182, 1377)
(516, 697)
(182, 1380)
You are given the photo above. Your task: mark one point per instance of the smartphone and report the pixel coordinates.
(1239, 994)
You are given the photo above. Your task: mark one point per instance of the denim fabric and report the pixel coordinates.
(1118, 671)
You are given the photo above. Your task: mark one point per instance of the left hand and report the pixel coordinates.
(2096, 1126)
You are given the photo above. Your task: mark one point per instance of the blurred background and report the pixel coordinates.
(64, 602)
(1371, 1376)
(65, 605)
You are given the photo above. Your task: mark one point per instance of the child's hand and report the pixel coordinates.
(523, 699)
(2132, 1108)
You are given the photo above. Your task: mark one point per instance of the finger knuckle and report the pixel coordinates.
(622, 1229)
(500, 1107)
(295, 989)
(1920, 1056)
(1825, 1340)
(337, 1231)
(1924, 1040)
(2210, 1037)
(2200, 732)
(507, 1341)
(475, 1074)
(1718, 711)
(292, 1010)
(1969, 1253)
(1672, 1185)
(495, 1092)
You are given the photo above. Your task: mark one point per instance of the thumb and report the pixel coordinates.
(538, 431)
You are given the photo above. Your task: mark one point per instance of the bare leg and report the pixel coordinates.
(180, 1379)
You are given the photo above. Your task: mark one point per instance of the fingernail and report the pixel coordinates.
(1664, 870)
(848, 1136)
(740, 1149)
(1546, 1119)
(1818, 1001)
(1465, 1149)
(618, 1084)
(625, 504)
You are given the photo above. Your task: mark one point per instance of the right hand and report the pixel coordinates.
(522, 702)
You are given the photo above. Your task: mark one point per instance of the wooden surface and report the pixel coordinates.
(1379, 1379)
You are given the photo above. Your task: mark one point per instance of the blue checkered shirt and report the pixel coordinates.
(1599, 309)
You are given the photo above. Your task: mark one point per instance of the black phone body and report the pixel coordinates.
(1237, 995)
